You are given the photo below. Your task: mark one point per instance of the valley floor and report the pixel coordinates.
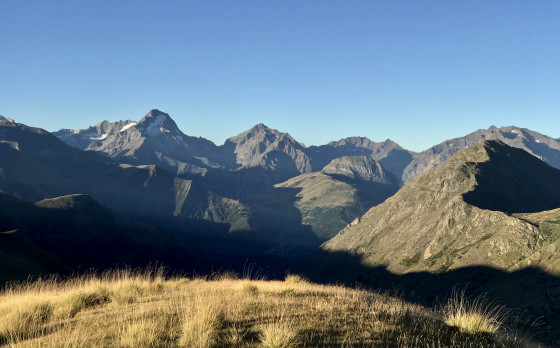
(126, 309)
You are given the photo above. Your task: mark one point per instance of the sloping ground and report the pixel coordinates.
(21, 258)
(435, 223)
(75, 232)
(548, 222)
(430, 237)
(130, 310)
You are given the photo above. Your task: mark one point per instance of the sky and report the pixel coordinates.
(417, 72)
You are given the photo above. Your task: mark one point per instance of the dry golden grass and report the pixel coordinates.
(473, 316)
(127, 309)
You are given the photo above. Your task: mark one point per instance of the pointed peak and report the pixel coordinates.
(2, 118)
(157, 122)
(154, 113)
(260, 127)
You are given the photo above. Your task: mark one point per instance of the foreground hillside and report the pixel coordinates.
(131, 310)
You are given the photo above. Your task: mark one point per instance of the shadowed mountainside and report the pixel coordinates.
(35, 165)
(531, 295)
(71, 232)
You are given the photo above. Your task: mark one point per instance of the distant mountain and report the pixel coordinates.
(256, 159)
(543, 147)
(244, 165)
(388, 153)
(35, 165)
(155, 139)
(329, 200)
(458, 214)
(66, 233)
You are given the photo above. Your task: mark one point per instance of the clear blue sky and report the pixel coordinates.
(417, 72)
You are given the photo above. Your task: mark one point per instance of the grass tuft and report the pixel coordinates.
(473, 316)
(250, 289)
(295, 278)
(83, 300)
(278, 334)
(200, 327)
(25, 322)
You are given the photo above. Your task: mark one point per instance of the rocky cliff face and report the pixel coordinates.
(360, 168)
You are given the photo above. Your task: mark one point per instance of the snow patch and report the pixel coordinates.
(163, 130)
(538, 141)
(131, 124)
(104, 136)
(155, 128)
(514, 131)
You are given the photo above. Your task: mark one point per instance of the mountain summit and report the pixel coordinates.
(156, 123)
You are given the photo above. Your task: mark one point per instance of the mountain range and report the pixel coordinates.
(270, 156)
(475, 209)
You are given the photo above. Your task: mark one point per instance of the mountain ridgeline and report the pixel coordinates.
(260, 157)
(244, 165)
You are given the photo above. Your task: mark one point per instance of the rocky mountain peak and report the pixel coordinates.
(157, 122)
(7, 119)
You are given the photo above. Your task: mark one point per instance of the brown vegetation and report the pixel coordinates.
(127, 309)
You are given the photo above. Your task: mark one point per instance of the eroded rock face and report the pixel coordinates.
(360, 167)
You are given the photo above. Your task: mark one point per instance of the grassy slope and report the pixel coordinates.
(131, 310)
(323, 202)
